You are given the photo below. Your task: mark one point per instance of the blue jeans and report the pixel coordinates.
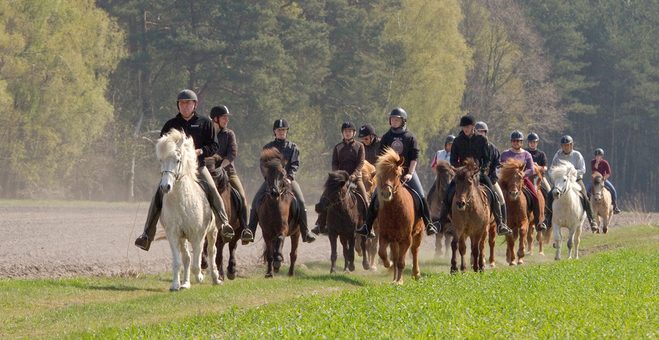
(608, 185)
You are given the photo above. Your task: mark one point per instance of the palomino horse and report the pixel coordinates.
(600, 198)
(186, 213)
(277, 214)
(237, 219)
(519, 214)
(400, 229)
(471, 217)
(344, 214)
(370, 245)
(542, 237)
(568, 212)
(445, 174)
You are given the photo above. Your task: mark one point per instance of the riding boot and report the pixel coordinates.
(321, 222)
(502, 228)
(306, 235)
(446, 208)
(372, 212)
(548, 207)
(504, 213)
(253, 219)
(430, 226)
(144, 241)
(585, 202)
(247, 235)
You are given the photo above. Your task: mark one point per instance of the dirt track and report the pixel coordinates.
(63, 241)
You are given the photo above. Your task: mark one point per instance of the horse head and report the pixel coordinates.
(274, 172)
(564, 177)
(389, 169)
(337, 185)
(177, 158)
(512, 178)
(466, 184)
(598, 186)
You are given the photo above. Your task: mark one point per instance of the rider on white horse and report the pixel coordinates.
(516, 152)
(600, 165)
(201, 130)
(568, 155)
(348, 156)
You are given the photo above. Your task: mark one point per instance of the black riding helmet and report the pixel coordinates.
(366, 130)
(348, 125)
(516, 135)
(280, 123)
(186, 95)
(398, 112)
(467, 120)
(533, 137)
(566, 140)
(599, 152)
(219, 111)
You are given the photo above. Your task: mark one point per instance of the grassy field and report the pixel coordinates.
(611, 292)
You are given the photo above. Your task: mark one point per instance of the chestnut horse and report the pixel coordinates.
(445, 174)
(370, 245)
(470, 216)
(400, 229)
(600, 198)
(276, 215)
(344, 213)
(542, 237)
(237, 220)
(520, 217)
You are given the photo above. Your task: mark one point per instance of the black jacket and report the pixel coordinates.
(201, 130)
(495, 163)
(538, 156)
(371, 152)
(476, 147)
(291, 155)
(403, 142)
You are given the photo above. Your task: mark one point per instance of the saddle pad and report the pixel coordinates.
(418, 203)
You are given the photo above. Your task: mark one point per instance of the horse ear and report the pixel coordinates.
(400, 161)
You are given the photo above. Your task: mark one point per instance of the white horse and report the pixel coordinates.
(186, 213)
(568, 211)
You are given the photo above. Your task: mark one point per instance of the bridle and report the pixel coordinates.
(177, 173)
(394, 189)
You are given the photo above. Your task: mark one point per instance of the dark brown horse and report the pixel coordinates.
(542, 237)
(512, 184)
(445, 174)
(471, 217)
(276, 213)
(344, 213)
(400, 229)
(370, 245)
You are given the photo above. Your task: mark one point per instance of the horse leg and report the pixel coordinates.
(475, 253)
(481, 252)
(447, 245)
(295, 241)
(185, 257)
(570, 242)
(463, 252)
(334, 255)
(529, 238)
(219, 258)
(277, 245)
(176, 263)
(577, 239)
(197, 248)
(491, 236)
(346, 256)
(351, 252)
(211, 250)
(510, 244)
(366, 252)
(269, 256)
(372, 252)
(557, 242)
(397, 252)
(383, 253)
(454, 255)
(521, 251)
(416, 243)
(541, 235)
(231, 269)
(438, 245)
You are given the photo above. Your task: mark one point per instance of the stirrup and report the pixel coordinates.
(593, 226)
(616, 210)
(227, 233)
(143, 242)
(363, 231)
(247, 236)
(431, 229)
(308, 237)
(502, 229)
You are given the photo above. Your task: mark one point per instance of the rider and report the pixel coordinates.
(442, 155)
(349, 156)
(225, 156)
(291, 154)
(567, 154)
(516, 152)
(371, 143)
(494, 169)
(201, 130)
(539, 157)
(600, 165)
(470, 143)
(404, 143)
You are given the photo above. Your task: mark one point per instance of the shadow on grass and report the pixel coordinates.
(124, 289)
(334, 277)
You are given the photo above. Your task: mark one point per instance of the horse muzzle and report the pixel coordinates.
(274, 193)
(387, 195)
(556, 194)
(514, 195)
(461, 205)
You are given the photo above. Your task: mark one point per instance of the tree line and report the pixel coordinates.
(87, 85)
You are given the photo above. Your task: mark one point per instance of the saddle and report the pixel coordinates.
(529, 199)
(418, 202)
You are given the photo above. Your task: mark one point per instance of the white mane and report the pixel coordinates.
(174, 141)
(559, 171)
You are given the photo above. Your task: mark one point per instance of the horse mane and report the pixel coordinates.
(597, 177)
(336, 180)
(271, 158)
(168, 144)
(221, 179)
(510, 168)
(466, 172)
(559, 171)
(388, 161)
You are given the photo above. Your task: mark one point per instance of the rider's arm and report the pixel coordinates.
(294, 163)
(335, 158)
(412, 167)
(581, 166)
(529, 170)
(360, 159)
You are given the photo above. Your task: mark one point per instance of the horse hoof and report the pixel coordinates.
(541, 253)
(511, 263)
(174, 289)
(231, 276)
(493, 265)
(276, 270)
(554, 245)
(346, 271)
(332, 271)
(199, 278)
(276, 265)
(269, 276)
(366, 266)
(185, 286)
(520, 262)
(351, 267)
(605, 230)
(373, 269)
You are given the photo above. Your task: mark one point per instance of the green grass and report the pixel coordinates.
(610, 294)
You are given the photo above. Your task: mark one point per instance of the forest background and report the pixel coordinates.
(85, 86)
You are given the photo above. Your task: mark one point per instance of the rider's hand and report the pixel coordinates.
(407, 177)
(288, 180)
(197, 152)
(352, 178)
